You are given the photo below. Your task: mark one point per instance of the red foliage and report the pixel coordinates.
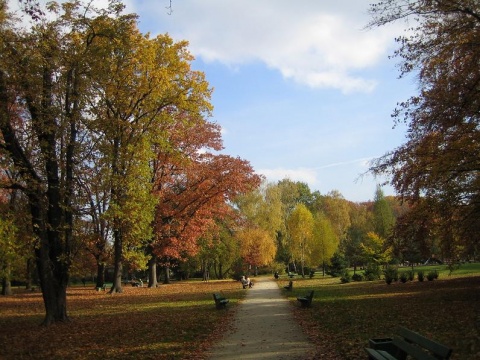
(193, 186)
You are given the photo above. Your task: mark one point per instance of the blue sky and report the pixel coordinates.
(301, 90)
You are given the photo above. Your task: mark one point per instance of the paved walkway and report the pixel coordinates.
(264, 328)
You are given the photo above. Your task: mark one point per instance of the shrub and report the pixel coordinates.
(391, 274)
(411, 275)
(403, 277)
(346, 278)
(432, 275)
(420, 275)
(338, 265)
(357, 277)
(372, 272)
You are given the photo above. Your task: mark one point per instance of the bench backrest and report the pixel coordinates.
(216, 297)
(438, 351)
(310, 296)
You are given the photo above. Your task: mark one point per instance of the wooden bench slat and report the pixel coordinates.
(379, 354)
(412, 350)
(438, 349)
(407, 344)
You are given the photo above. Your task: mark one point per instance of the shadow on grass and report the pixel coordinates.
(446, 310)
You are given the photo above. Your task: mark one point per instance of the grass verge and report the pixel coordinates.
(344, 316)
(176, 321)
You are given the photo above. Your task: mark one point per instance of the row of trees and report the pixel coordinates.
(437, 169)
(108, 159)
(106, 148)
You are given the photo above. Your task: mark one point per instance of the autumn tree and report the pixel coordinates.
(219, 249)
(439, 160)
(337, 209)
(375, 253)
(324, 242)
(194, 185)
(8, 252)
(300, 227)
(42, 78)
(360, 225)
(257, 247)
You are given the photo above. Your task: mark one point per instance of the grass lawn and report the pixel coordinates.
(344, 316)
(179, 321)
(176, 321)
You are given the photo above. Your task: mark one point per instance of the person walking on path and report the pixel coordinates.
(264, 328)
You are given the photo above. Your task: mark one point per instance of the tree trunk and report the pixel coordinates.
(220, 271)
(117, 266)
(6, 287)
(29, 273)
(167, 275)
(100, 274)
(152, 272)
(53, 277)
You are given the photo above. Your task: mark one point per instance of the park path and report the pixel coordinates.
(264, 328)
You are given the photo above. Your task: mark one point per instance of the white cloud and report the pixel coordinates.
(308, 176)
(319, 44)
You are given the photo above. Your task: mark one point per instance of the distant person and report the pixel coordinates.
(244, 282)
(276, 275)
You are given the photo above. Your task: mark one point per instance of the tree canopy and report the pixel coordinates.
(440, 159)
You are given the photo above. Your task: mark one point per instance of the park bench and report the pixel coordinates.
(291, 275)
(407, 343)
(289, 287)
(104, 287)
(220, 301)
(306, 300)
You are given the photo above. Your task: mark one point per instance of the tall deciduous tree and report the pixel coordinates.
(383, 218)
(440, 159)
(42, 87)
(193, 186)
(257, 247)
(324, 242)
(337, 209)
(300, 229)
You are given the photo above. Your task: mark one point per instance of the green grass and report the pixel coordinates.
(177, 321)
(344, 316)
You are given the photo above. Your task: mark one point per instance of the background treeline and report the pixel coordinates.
(109, 161)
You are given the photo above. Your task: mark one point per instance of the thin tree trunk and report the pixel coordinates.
(167, 275)
(152, 272)
(6, 286)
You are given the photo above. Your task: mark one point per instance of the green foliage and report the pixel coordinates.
(410, 275)
(403, 277)
(372, 272)
(338, 265)
(346, 277)
(420, 275)
(324, 242)
(390, 274)
(357, 277)
(432, 275)
(383, 217)
(375, 250)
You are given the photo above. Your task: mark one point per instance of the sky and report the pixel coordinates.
(301, 89)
